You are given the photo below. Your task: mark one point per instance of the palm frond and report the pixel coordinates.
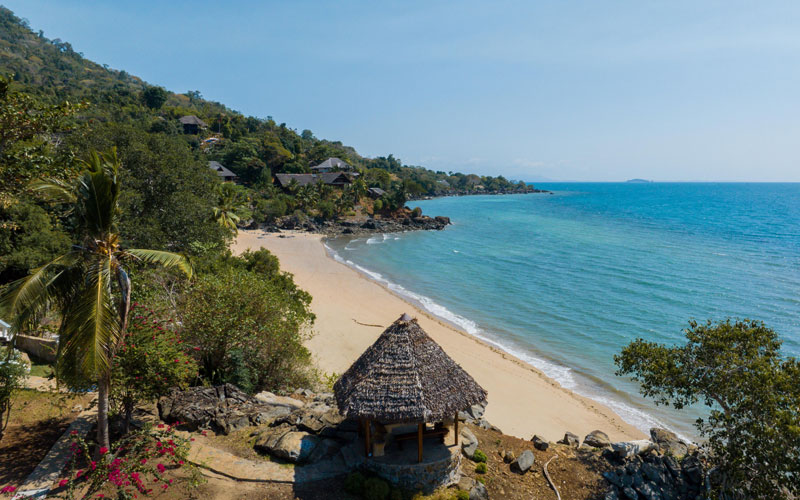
(26, 299)
(163, 258)
(54, 190)
(91, 327)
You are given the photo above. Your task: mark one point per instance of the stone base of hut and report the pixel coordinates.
(435, 471)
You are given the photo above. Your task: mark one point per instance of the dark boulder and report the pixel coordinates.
(571, 440)
(523, 463)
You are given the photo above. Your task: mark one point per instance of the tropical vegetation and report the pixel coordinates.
(750, 388)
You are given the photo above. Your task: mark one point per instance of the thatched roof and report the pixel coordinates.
(192, 120)
(405, 377)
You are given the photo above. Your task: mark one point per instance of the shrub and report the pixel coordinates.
(462, 495)
(354, 483)
(13, 373)
(326, 209)
(151, 359)
(377, 206)
(481, 480)
(136, 464)
(239, 311)
(376, 489)
(417, 212)
(479, 456)
(481, 468)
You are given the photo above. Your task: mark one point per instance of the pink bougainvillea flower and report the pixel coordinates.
(161, 468)
(8, 489)
(63, 482)
(79, 473)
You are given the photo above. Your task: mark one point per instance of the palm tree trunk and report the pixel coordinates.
(103, 386)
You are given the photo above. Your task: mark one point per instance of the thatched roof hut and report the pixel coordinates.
(405, 377)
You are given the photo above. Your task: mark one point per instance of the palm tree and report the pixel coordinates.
(230, 206)
(359, 190)
(89, 286)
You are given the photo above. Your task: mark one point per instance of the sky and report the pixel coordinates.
(579, 90)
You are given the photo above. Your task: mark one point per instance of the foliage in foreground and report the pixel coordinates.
(13, 373)
(737, 370)
(135, 466)
(249, 329)
(89, 286)
(151, 359)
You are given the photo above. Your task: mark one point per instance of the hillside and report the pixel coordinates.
(253, 148)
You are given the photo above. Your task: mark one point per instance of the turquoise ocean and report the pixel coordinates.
(564, 281)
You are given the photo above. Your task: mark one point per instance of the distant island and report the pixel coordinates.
(638, 181)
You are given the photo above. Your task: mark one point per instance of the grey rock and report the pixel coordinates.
(628, 449)
(613, 478)
(693, 470)
(523, 463)
(571, 439)
(597, 439)
(630, 493)
(649, 491)
(275, 400)
(478, 492)
(540, 443)
(223, 408)
(291, 445)
(469, 443)
(613, 494)
(465, 483)
(668, 442)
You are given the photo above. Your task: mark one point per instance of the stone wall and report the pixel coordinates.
(44, 349)
(426, 476)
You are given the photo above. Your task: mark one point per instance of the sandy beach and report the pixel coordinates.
(352, 311)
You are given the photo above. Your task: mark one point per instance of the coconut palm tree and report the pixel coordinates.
(89, 287)
(231, 205)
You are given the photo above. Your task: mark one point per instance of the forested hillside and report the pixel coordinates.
(57, 106)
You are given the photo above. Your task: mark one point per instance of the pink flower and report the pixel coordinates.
(143, 461)
(73, 433)
(93, 465)
(8, 489)
(161, 468)
(196, 348)
(63, 482)
(78, 474)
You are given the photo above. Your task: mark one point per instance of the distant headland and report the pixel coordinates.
(638, 181)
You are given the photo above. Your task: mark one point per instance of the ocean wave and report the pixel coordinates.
(563, 375)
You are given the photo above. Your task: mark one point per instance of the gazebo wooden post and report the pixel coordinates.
(367, 436)
(455, 429)
(419, 441)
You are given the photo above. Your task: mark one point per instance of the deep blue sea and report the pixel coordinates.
(564, 281)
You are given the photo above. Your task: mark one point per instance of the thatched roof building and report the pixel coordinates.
(405, 377)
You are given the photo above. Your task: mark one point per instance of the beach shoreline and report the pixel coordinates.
(353, 309)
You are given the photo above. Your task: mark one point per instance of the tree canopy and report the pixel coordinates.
(736, 370)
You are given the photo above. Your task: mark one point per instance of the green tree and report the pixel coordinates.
(89, 286)
(28, 239)
(249, 328)
(231, 206)
(737, 370)
(25, 152)
(151, 359)
(154, 97)
(13, 373)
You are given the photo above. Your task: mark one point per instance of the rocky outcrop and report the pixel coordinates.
(222, 408)
(308, 433)
(668, 442)
(646, 471)
(597, 439)
(474, 415)
(402, 223)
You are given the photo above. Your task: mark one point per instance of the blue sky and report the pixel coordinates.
(579, 90)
